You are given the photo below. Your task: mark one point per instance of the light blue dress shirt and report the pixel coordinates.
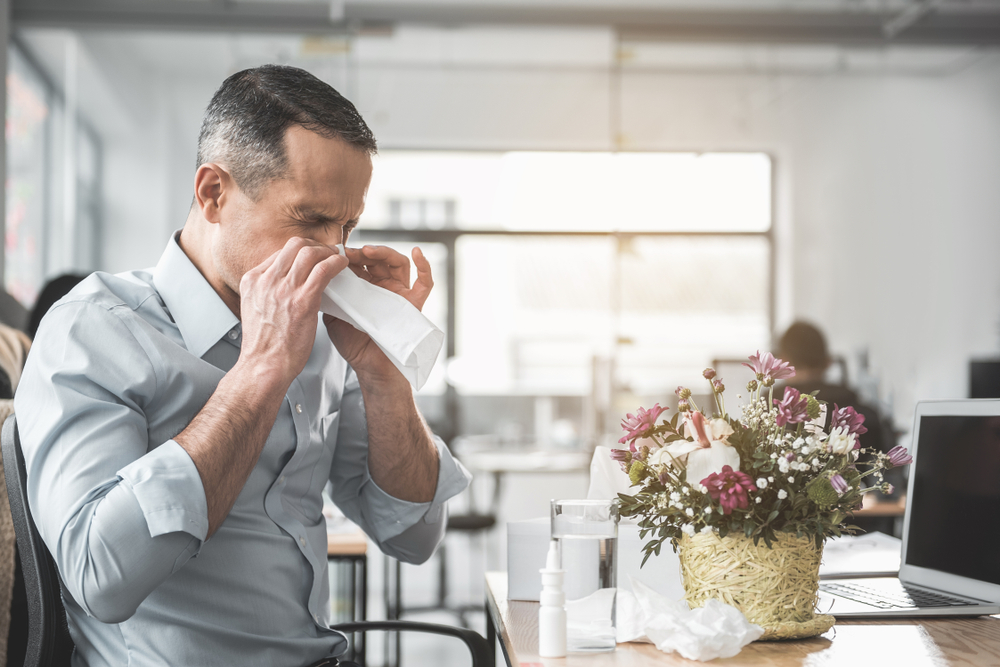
(118, 368)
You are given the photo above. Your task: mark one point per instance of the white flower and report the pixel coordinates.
(761, 483)
(687, 529)
(782, 494)
(757, 500)
(689, 511)
(706, 529)
(841, 441)
(783, 464)
(791, 480)
(770, 479)
(708, 510)
(721, 430)
(674, 496)
(703, 462)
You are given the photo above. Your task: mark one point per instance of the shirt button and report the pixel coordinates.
(298, 408)
(316, 616)
(281, 480)
(302, 541)
(234, 334)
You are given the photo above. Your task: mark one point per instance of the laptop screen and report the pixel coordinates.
(955, 503)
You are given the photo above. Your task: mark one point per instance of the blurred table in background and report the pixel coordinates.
(490, 454)
(348, 544)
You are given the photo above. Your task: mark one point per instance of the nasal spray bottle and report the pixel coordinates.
(552, 610)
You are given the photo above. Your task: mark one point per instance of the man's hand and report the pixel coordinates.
(402, 457)
(390, 270)
(279, 300)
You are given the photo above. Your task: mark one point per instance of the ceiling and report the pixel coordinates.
(856, 22)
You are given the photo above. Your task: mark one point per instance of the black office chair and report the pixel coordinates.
(49, 641)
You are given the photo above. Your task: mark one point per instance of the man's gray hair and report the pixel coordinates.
(245, 123)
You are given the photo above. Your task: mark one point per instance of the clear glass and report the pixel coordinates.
(587, 534)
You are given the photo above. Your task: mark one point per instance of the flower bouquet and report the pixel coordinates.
(749, 501)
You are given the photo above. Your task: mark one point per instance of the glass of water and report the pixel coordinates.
(587, 534)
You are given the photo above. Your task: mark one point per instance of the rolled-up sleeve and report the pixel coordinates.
(118, 513)
(405, 530)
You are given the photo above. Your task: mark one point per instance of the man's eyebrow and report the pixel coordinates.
(312, 215)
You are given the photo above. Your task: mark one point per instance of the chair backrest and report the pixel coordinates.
(49, 642)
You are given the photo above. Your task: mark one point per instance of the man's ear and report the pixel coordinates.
(211, 190)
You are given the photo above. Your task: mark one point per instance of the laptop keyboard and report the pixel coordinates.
(893, 596)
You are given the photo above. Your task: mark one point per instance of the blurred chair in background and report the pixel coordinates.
(12, 313)
(14, 347)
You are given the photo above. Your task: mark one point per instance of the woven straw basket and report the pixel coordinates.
(773, 587)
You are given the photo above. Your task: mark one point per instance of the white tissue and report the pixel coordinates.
(410, 340)
(716, 630)
(606, 477)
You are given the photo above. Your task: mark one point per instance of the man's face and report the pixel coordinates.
(321, 197)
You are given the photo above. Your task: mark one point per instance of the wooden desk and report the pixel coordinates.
(918, 643)
(871, 508)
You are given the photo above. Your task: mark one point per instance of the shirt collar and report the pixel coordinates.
(199, 312)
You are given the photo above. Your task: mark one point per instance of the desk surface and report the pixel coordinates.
(348, 543)
(916, 643)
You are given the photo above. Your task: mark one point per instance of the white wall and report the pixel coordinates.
(888, 227)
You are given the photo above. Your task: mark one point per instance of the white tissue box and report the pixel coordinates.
(528, 542)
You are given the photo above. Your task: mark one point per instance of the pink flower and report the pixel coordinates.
(898, 456)
(698, 427)
(637, 424)
(730, 487)
(839, 485)
(624, 458)
(767, 366)
(848, 417)
(792, 409)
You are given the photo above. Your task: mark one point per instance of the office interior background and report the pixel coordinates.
(612, 195)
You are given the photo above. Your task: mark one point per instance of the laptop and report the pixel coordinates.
(950, 561)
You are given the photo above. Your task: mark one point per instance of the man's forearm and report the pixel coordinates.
(402, 458)
(226, 437)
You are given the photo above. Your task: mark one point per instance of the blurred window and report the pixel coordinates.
(659, 262)
(572, 191)
(41, 239)
(28, 130)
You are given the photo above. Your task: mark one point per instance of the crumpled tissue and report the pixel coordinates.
(717, 630)
(410, 340)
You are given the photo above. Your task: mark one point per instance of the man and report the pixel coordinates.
(180, 424)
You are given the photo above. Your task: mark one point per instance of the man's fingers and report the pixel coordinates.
(306, 259)
(285, 257)
(425, 281)
(386, 264)
(324, 271)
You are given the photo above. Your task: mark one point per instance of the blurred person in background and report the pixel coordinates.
(804, 346)
(54, 290)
